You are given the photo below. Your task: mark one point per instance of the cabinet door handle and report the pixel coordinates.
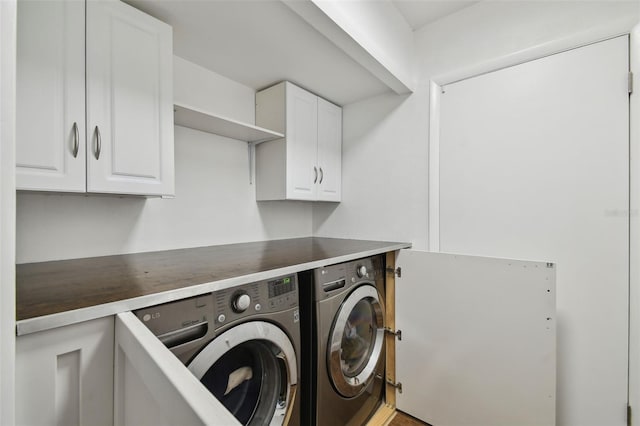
(321, 175)
(98, 143)
(76, 140)
(315, 171)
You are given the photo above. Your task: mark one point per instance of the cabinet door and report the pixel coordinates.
(50, 106)
(64, 376)
(329, 151)
(302, 143)
(152, 387)
(129, 101)
(478, 341)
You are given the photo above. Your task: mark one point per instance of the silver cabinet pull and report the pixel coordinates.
(321, 175)
(98, 143)
(76, 140)
(315, 171)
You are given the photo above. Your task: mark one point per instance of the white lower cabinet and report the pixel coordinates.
(64, 376)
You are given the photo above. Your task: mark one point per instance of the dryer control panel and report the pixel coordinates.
(275, 295)
(336, 279)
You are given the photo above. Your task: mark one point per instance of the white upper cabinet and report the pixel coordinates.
(125, 146)
(329, 151)
(302, 147)
(50, 79)
(129, 101)
(305, 164)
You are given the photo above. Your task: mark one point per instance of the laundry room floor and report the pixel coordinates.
(402, 419)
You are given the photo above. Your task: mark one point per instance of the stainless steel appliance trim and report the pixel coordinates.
(353, 386)
(253, 330)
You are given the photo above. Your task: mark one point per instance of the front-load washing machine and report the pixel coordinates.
(345, 363)
(243, 343)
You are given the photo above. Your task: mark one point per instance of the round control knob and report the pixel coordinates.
(361, 270)
(241, 302)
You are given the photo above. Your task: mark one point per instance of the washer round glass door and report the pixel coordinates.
(251, 370)
(355, 341)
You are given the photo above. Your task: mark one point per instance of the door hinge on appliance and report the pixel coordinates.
(630, 82)
(397, 272)
(390, 382)
(396, 385)
(397, 333)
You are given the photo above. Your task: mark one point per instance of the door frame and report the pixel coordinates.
(618, 28)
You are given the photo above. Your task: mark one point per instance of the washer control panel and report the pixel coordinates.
(278, 294)
(179, 322)
(241, 302)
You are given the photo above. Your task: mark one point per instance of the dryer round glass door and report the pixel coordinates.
(355, 341)
(251, 371)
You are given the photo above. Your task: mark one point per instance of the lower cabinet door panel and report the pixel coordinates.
(152, 387)
(478, 341)
(64, 376)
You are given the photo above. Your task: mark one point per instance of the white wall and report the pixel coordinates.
(385, 154)
(214, 203)
(384, 173)
(7, 209)
(202, 89)
(490, 30)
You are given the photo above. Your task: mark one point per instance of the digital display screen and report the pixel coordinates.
(280, 287)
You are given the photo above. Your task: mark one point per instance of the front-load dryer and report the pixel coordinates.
(345, 365)
(243, 343)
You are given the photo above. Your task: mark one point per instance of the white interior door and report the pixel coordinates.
(478, 341)
(534, 164)
(152, 387)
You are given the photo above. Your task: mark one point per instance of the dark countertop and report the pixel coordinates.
(51, 294)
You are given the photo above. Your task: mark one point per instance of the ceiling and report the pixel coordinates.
(260, 42)
(419, 13)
